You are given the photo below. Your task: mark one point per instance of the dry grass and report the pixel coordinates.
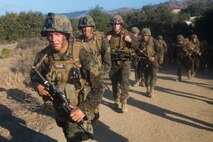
(27, 50)
(21, 108)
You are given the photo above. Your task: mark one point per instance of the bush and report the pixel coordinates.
(15, 27)
(27, 50)
(6, 52)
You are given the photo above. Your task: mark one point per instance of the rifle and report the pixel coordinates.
(143, 55)
(59, 99)
(120, 55)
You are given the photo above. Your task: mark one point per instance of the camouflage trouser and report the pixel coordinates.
(184, 62)
(150, 74)
(119, 75)
(136, 67)
(195, 65)
(72, 131)
(141, 68)
(179, 67)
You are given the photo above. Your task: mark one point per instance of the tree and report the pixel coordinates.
(196, 9)
(23, 25)
(74, 23)
(101, 18)
(204, 25)
(161, 20)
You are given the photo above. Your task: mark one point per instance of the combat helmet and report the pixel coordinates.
(180, 37)
(146, 31)
(57, 23)
(160, 37)
(193, 36)
(116, 19)
(86, 21)
(135, 30)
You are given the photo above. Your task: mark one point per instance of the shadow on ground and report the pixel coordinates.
(170, 115)
(184, 94)
(103, 133)
(17, 129)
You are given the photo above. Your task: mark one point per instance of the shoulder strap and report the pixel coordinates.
(42, 59)
(99, 38)
(122, 43)
(76, 49)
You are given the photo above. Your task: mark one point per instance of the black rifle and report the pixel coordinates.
(143, 55)
(59, 99)
(120, 55)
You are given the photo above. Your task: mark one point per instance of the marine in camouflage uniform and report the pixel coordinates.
(120, 44)
(205, 54)
(75, 72)
(96, 43)
(163, 45)
(150, 52)
(139, 78)
(183, 53)
(196, 54)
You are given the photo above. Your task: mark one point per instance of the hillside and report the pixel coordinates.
(78, 14)
(173, 4)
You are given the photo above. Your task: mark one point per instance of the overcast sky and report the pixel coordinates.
(66, 6)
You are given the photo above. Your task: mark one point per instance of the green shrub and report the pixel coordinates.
(6, 52)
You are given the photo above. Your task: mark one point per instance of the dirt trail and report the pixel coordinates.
(180, 111)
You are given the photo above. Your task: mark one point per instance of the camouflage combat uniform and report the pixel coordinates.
(183, 56)
(196, 54)
(97, 43)
(163, 45)
(204, 55)
(139, 78)
(85, 91)
(146, 49)
(120, 70)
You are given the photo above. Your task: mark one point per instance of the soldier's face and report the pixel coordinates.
(136, 35)
(56, 40)
(145, 38)
(180, 42)
(194, 40)
(116, 28)
(87, 31)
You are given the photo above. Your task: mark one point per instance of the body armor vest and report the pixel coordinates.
(117, 41)
(64, 72)
(94, 44)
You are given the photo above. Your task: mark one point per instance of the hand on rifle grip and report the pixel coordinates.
(44, 93)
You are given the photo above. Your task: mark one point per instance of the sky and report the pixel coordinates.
(67, 6)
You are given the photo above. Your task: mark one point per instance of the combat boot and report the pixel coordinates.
(151, 93)
(136, 83)
(117, 104)
(179, 79)
(141, 83)
(148, 90)
(189, 74)
(124, 107)
(193, 74)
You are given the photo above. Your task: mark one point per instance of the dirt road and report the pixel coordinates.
(180, 111)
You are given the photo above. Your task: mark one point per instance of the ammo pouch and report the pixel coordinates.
(66, 76)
